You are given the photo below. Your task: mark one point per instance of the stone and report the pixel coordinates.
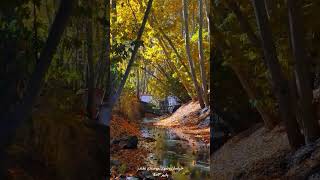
(132, 178)
(114, 162)
(205, 123)
(204, 110)
(132, 142)
(145, 175)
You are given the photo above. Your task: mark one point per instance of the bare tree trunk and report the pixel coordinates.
(207, 11)
(138, 83)
(302, 64)
(189, 56)
(108, 87)
(114, 10)
(267, 4)
(90, 75)
(35, 31)
(279, 83)
(201, 56)
(193, 19)
(106, 110)
(84, 62)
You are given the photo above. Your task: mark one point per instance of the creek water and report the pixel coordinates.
(176, 150)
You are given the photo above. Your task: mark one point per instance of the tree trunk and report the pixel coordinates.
(22, 111)
(35, 31)
(302, 63)
(48, 12)
(201, 56)
(207, 11)
(106, 67)
(268, 119)
(90, 75)
(138, 83)
(189, 56)
(167, 38)
(108, 87)
(279, 83)
(114, 10)
(174, 68)
(106, 110)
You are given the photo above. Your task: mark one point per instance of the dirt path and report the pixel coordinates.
(246, 151)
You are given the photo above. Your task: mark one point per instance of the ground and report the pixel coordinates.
(189, 120)
(130, 159)
(264, 154)
(247, 149)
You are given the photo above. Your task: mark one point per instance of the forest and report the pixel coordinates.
(159, 89)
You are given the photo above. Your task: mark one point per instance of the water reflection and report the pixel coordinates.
(174, 151)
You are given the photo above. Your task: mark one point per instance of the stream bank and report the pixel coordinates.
(172, 148)
(164, 151)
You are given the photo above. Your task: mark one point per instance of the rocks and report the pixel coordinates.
(174, 108)
(145, 175)
(141, 174)
(219, 133)
(204, 110)
(114, 141)
(301, 154)
(130, 142)
(205, 123)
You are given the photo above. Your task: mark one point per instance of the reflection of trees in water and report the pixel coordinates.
(171, 151)
(160, 144)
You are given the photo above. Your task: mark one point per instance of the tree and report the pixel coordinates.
(21, 113)
(235, 59)
(106, 110)
(108, 87)
(302, 63)
(244, 23)
(90, 75)
(188, 51)
(201, 56)
(279, 83)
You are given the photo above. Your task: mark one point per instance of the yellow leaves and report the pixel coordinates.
(166, 15)
(175, 75)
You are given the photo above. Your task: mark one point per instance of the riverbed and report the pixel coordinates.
(173, 149)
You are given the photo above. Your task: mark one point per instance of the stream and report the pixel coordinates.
(173, 149)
